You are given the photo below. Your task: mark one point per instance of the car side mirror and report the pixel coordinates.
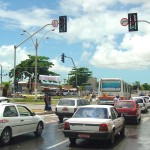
(33, 113)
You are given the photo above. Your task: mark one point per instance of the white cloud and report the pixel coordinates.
(59, 68)
(7, 55)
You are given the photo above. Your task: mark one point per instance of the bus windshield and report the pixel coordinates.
(111, 85)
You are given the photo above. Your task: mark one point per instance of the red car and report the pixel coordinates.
(130, 109)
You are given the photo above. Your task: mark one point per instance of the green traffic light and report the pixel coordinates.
(133, 26)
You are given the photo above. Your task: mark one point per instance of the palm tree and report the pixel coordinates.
(6, 86)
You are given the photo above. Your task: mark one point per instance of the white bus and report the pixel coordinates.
(110, 87)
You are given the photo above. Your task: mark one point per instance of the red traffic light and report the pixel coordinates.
(133, 22)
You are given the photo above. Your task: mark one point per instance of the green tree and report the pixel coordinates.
(146, 86)
(83, 75)
(26, 69)
(6, 86)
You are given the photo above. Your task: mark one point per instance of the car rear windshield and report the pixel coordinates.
(66, 102)
(139, 100)
(124, 105)
(99, 113)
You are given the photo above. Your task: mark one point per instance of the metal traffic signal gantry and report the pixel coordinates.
(63, 57)
(62, 23)
(132, 22)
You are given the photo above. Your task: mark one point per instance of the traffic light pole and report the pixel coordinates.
(76, 70)
(15, 48)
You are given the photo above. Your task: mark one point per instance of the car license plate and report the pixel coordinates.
(83, 135)
(65, 109)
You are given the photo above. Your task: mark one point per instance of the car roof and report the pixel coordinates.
(74, 98)
(1, 97)
(2, 104)
(126, 101)
(98, 106)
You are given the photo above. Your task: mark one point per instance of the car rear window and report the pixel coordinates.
(139, 100)
(99, 113)
(124, 105)
(66, 102)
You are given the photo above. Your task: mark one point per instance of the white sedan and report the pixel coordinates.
(17, 119)
(101, 122)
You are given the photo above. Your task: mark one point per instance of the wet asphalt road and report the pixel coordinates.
(137, 137)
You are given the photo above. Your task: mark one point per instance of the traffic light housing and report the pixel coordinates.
(62, 23)
(63, 57)
(132, 22)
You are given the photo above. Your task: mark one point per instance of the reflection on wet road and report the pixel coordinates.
(136, 138)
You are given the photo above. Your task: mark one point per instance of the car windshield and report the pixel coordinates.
(66, 102)
(99, 113)
(124, 105)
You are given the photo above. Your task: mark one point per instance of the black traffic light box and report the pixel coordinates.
(63, 57)
(132, 22)
(62, 23)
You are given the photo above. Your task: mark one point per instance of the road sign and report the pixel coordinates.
(124, 21)
(54, 23)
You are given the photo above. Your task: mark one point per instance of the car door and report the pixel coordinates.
(117, 120)
(28, 121)
(11, 115)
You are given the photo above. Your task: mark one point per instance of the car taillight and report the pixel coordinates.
(4, 121)
(103, 127)
(66, 126)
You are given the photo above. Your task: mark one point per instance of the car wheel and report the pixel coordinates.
(72, 140)
(60, 119)
(39, 129)
(6, 136)
(122, 132)
(112, 138)
(136, 121)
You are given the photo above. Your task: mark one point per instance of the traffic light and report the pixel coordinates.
(133, 22)
(62, 23)
(63, 57)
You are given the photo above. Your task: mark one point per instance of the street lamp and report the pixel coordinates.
(1, 79)
(36, 45)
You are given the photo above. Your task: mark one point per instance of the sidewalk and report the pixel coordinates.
(42, 112)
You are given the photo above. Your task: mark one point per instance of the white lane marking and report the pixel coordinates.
(57, 144)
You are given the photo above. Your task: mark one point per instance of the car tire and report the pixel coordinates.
(39, 129)
(112, 138)
(6, 136)
(60, 119)
(72, 141)
(122, 132)
(137, 121)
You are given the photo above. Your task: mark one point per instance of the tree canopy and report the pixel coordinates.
(83, 75)
(26, 69)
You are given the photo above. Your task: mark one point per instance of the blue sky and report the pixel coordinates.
(95, 37)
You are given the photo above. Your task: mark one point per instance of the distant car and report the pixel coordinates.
(97, 122)
(147, 98)
(4, 99)
(40, 95)
(67, 106)
(142, 102)
(130, 109)
(17, 119)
